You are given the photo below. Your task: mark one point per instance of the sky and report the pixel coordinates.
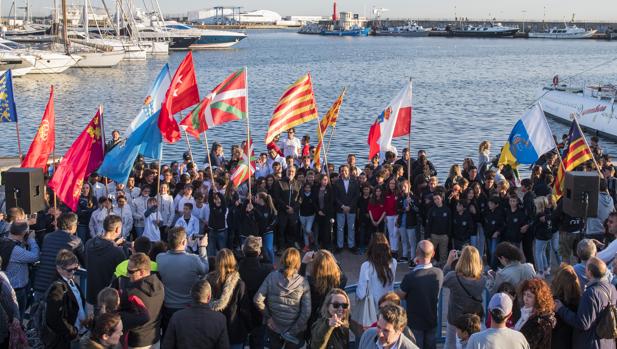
(590, 10)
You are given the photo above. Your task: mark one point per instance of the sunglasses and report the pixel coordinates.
(71, 270)
(132, 271)
(339, 305)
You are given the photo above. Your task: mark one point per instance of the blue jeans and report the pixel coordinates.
(83, 232)
(340, 225)
(408, 240)
(491, 250)
(217, 240)
(425, 339)
(306, 223)
(539, 254)
(139, 231)
(477, 240)
(268, 245)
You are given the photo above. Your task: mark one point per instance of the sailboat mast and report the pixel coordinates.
(86, 20)
(65, 23)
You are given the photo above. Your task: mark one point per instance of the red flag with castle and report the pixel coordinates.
(83, 157)
(45, 139)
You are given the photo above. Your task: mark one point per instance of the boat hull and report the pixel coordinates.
(585, 35)
(484, 34)
(18, 64)
(216, 41)
(53, 64)
(594, 114)
(99, 59)
(182, 43)
(353, 32)
(409, 34)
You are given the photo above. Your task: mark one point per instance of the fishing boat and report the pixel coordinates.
(593, 105)
(353, 31)
(567, 32)
(412, 29)
(491, 30)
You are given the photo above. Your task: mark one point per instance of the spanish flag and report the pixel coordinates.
(575, 153)
(295, 107)
(328, 120)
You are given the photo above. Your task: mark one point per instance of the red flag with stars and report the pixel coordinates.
(182, 93)
(83, 157)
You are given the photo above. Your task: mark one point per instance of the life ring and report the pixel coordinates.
(555, 80)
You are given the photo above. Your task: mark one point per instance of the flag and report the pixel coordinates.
(45, 139)
(227, 102)
(8, 110)
(296, 106)
(145, 140)
(182, 93)
(246, 166)
(152, 102)
(82, 158)
(575, 153)
(328, 120)
(530, 138)
(393, 122)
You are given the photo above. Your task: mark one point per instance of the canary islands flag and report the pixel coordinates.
(530, 138)
(8, 111)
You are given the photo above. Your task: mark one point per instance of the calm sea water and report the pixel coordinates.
(465, 90)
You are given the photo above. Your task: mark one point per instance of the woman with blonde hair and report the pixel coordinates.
(331, 330)
(566, 288)
(325, 275)
(543, 232)
(287, 297)
(484, 157)
(454, 176)
(466, 285)
(229, 296)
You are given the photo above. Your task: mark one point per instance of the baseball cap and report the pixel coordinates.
(501, 302)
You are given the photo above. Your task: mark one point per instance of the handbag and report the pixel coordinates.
(365, 310)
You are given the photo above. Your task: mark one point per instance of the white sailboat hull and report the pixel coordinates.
(99, 59)
(52, 63)
(155, 47)
(594, 114)
(19, 65)
(133, 52)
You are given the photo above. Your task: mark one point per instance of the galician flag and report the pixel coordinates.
(393, 122)
(246, 166)
(227, 102)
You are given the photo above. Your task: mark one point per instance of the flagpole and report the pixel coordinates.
(188, 143)
(588, 147)
(209, 162)
(18, 141)
(53, 163)
(158, 181)
(248, 133)
(409, 137)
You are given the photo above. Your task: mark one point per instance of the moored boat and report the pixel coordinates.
(412, 29)
(353, 31)
(492, 30)
(567, 32)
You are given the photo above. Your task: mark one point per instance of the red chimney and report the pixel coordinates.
(334, 16)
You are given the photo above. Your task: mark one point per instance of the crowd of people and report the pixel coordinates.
(179, 257)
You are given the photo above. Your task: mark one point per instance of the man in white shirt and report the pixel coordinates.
(291, 145)
(275, 157)
(499, 336)
(190, 223)
(124, 211)
(261, 166)
(98, 189)
(99, 215)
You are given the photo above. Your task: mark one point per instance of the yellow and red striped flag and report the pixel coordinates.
(328, 120)
(575, 154)
(295, 107)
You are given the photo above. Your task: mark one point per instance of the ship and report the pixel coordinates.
(412, 29)
(593, 105)
(567, 32)
(491, 30)
(353, 31)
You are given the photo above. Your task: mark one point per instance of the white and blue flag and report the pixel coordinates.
(153, 101)
(531, 137)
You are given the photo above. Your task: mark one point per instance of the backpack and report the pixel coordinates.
(607, 321)
(6, 249)
(38, 312)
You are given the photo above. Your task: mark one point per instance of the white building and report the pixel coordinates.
(227, 16)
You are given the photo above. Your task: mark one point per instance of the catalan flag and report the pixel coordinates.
(328, 120)
(295, 107)
(246, 166)
(575, 153)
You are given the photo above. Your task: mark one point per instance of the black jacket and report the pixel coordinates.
(493, 221)
(52, 244)
(543, 230)
(328, 208)
(463, 226)
(231, 300)
(285, 193)
(196, 327)
(253, 272)
(412, 217)
(217, 213)
(514, 222)
(439, 221)
(308, 204)
(61, 314)
(102, 257)
(151, 292)
(349, 198)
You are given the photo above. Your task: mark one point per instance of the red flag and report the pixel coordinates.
(83, 157)
(374, 134)
(182, 93)
(45, 140)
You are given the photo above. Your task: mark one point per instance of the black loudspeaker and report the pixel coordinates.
(24, 188)
(581, 189)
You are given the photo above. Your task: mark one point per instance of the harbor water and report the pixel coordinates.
(465, 90)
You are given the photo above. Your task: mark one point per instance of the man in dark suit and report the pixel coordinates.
(346, 195)
(197, 326)
(66, 306)
(285, 195)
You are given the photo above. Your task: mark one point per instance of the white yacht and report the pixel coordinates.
(46, 62)
(567, 32)
(20, 64)
(412, 29)
(593, 105)
(491, 30)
